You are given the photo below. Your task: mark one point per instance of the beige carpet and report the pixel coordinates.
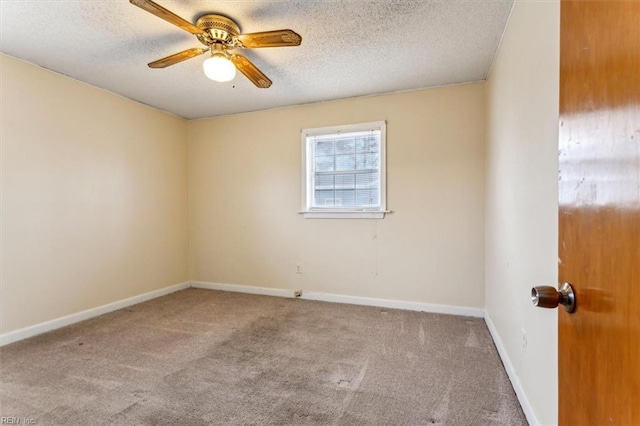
(200, 357)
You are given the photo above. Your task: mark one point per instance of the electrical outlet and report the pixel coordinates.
(524, 339)
(298, 269)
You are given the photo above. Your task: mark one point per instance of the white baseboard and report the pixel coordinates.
(511, 372)
(23, 333)
(394, 304)
(339, 298)
(265, 291)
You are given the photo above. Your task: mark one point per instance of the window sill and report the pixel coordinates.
(333, 214)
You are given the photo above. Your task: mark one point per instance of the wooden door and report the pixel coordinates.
(599, 236)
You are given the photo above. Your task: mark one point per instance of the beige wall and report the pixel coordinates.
(94, 197)
(522, 197)
(245, 192)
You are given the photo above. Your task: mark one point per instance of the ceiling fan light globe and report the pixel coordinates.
(219, 68)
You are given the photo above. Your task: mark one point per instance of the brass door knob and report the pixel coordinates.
(548, 297)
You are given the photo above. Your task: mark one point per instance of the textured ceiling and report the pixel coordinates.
(349, 48)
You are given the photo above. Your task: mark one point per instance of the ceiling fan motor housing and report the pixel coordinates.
(217, 29)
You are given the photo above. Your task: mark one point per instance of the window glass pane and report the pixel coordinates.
(324, 148)
(367, 197)
(324, 198)
(367, 180)
(345, 198)
(345, 181)
(345, 162)
(367, 161)
(345, 146)
(324, 163)
(324, 181)
(375, 197)
(367, 144)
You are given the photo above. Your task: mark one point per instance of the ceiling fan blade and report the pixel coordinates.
(250, 71)
(277, 38)
(177, 57)
(167, 15)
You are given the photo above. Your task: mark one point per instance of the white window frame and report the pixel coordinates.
(313, 212)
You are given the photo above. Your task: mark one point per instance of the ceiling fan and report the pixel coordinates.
(221, 35)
